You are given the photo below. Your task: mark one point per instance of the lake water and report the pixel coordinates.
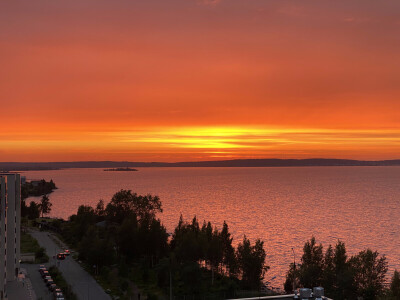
(282, 206)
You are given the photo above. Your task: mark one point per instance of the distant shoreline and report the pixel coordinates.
(121, 170)
(312, 162)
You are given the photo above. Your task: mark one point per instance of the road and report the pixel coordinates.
(41, 290)
(82, 283)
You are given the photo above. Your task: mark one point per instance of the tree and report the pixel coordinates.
(125, 203)
(343, 281)
(337, 274)
(311, 269)
(45, 205)
(84, 218)
(156, 239)
(188, 242)
(33, 210)
(361, 275)
(144, 238)
(395, 285)
(96, 251)
(100, 210)
(228, 252)
(369, 273)
(251, 262)
(329, 274)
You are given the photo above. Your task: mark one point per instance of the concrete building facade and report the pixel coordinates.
(10, 228)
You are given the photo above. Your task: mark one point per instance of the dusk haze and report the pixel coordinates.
(199, 80)
(199, 150)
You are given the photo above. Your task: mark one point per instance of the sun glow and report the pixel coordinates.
(238, 142)
(201, 143)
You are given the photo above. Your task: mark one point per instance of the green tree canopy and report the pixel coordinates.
(251, 262)
(125, 203)
(228, 252)
(312, 264)
(45, 205)
(369, 273)
(363, 275)
(33, 210)
(395, 285)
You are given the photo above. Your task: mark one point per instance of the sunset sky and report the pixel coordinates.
(183, 80)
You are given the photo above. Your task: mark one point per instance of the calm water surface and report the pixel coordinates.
(282, 206)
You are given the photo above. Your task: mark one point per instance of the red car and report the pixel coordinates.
(60, 256)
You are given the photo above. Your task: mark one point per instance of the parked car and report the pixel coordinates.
(57, 291)
(67, 252)
(58, 296)
(49, 282)
(52, 287)
(45, 273)
(42, 269)
(47, 278)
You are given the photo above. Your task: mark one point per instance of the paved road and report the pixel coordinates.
(21, 290)
(83, 284)
(41, 290)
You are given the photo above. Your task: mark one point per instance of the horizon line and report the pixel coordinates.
(199, 161)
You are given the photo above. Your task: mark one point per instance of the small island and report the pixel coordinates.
(121, 169)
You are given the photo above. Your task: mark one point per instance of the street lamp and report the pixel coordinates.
(294, 274)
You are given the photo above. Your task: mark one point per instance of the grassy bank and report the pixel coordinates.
(31, 245)
(61, 283)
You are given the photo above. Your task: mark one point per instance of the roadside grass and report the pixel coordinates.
(25, 222)
(61, 283)
(108, 279)
(30, 245)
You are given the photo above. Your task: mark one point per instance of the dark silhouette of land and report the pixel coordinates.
(121, 170)
(323, 162)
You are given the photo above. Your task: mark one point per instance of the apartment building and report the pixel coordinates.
(10, 225)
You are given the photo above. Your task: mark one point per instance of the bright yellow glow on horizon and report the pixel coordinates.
(201, 143)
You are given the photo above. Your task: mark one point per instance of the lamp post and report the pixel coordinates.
(294, 273)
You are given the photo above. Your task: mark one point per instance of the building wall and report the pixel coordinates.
(18, 223)
(3, 237)
(10, 228)
(13, 230)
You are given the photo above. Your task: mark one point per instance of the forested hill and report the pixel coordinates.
(16, 166)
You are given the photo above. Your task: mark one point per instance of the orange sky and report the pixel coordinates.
(173, 80)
